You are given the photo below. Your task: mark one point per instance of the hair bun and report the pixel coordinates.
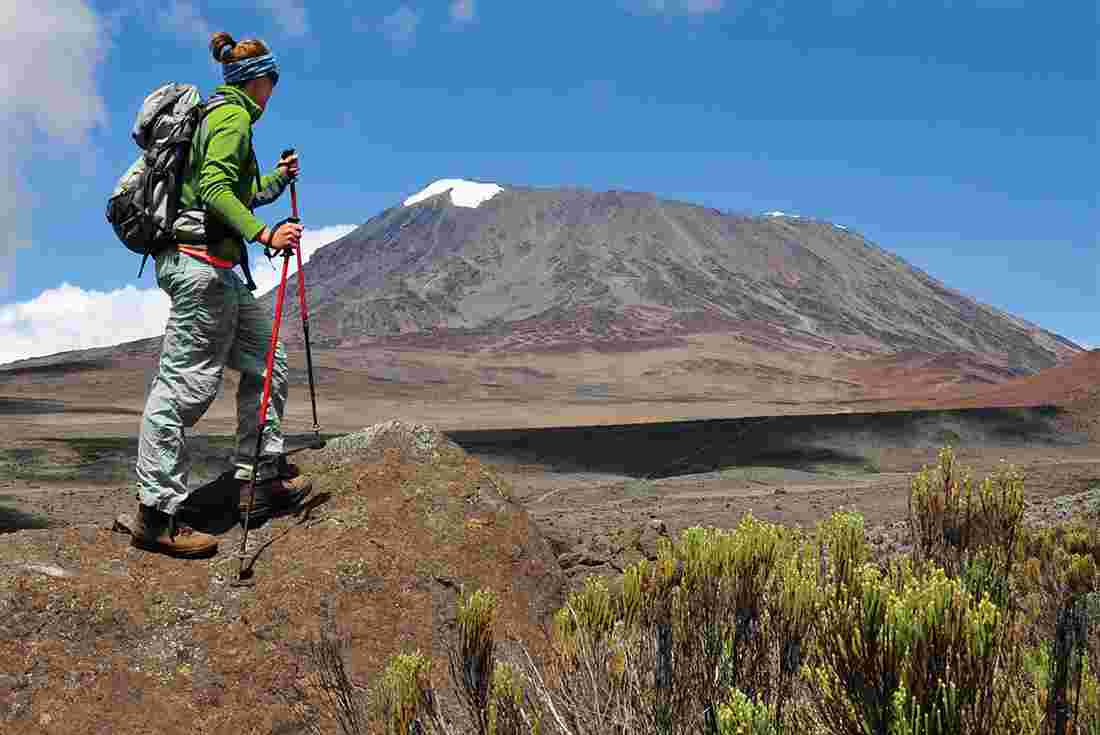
(221, 47)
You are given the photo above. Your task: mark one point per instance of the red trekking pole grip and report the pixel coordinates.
(293, 192)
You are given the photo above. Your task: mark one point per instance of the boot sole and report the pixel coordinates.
(157, 548)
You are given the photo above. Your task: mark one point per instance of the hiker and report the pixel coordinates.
(215, 322)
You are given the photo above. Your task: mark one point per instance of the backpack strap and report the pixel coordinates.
(247, 273)
(215, 101)
(244, 255)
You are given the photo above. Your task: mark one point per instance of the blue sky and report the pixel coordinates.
(959, 134)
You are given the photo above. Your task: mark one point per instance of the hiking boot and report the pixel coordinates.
(157, 531)
(279, 494)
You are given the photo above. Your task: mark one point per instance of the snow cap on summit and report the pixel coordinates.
(463, 193)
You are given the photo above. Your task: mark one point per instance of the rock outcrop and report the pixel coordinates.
(96, 636)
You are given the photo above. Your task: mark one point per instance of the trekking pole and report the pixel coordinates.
(263, 417)
(317, 441)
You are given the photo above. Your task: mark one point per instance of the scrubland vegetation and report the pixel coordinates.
(984, 625)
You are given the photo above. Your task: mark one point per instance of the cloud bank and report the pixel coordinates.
(71, 318)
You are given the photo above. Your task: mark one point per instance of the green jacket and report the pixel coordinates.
(220, 177)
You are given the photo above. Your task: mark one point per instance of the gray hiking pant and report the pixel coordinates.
(214, 323)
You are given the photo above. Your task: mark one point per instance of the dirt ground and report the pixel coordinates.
(584, 487)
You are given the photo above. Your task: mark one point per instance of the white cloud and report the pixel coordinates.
(65, 104)
(71, 318)
(463, 11)
(399, 27)
(182, 19)
(289, 14)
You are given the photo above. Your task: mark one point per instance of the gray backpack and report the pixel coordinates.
(143, 206)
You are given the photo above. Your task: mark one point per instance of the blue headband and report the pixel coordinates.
(244, 70)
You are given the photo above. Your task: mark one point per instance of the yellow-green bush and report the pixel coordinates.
(741, 716)
(717, 611)
(988, 627)
(405, 694)
(472, 663)
(507, 704)
(950, 518)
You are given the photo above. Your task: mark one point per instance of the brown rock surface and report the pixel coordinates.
(96, 636)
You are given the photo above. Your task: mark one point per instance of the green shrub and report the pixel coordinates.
(911, 643)
(1029, 713)
(508, 704)
(842, 546)
(982, 574)
(950, 519)
(472, 661)
(717, 611)
(856, 668)
(741, 716)
(988, 627)
(406, 699)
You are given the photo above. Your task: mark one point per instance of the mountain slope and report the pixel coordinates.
(531, 268)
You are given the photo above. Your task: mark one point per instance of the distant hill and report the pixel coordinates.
(522, 268)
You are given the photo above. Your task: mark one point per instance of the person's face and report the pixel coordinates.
(260, 90)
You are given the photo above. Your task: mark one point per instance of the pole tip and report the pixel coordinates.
(244, 578)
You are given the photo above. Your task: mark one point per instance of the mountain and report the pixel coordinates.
(518, 268)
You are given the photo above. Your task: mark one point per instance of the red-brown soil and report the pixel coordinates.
(1075, 384)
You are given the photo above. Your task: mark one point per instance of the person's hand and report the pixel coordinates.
(286, 235)
(289, 165)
